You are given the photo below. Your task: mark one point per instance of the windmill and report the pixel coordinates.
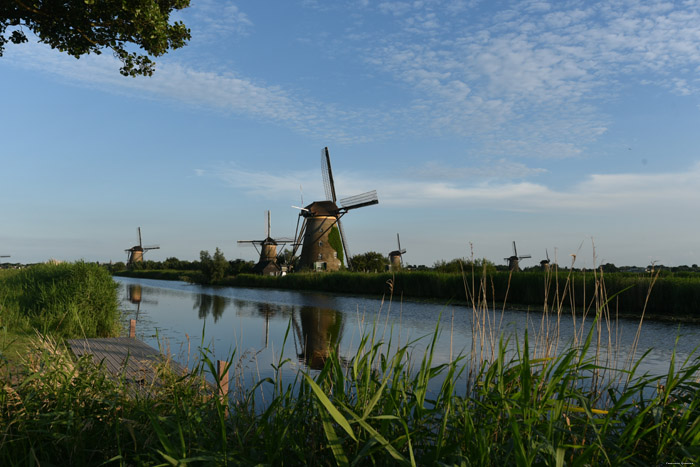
(135, 253)
(267, 265)
(544, 264)
(514, 260)
(321, 235)
(396, 256)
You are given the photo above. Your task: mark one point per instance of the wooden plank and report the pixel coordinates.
(123, 356)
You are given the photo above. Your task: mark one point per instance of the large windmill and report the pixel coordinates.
(268, 264)
(396, 256)
(135, 253)
(321, 235)
(514, 260)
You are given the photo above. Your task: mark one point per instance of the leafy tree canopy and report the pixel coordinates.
(370, 262)
(80, 27)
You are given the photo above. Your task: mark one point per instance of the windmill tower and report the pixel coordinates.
(267, 265)
(396, 256)
(321, 235)
(544, 264)
(514, 260)
(135, 253)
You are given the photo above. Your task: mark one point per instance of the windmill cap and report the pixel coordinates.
(321, 208)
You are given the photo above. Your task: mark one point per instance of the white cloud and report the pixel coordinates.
(210, 20)
(436, 186)
(226, 92)
(543, 60)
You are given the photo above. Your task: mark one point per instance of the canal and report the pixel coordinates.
(183, 319)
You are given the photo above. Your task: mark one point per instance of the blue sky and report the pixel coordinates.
(560, 125)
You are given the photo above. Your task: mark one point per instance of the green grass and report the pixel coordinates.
(63, 300)
(510, 400)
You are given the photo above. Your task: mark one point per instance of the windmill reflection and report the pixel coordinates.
(267, 310)
(205, 304)
(320, 331)
(134, 293)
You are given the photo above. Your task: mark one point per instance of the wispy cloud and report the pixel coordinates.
(225, 92)
(211, 20)
(486, 188)
(552, 61)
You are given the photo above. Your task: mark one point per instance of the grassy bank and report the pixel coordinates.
(160, 274)
(62, 300)
(672, 297)
(493, 408)
(497, 404)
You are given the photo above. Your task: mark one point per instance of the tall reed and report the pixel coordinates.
(69, 299)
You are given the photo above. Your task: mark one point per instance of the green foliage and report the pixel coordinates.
(370, 262)
(240, 266)
(467, 265)
(213, 269)
(375, 409)
(81, 27)
(219, 266)
(336, 243)
(70, 300)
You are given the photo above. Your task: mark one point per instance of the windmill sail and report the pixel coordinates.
(327, 174)
(343, 238)
(358, 201)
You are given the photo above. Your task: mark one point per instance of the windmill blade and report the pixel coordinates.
(298, 235)
(139, 230)
(398, 241)
(301, 209)
(327, 174)
(283, 240)
(268, 224)
(515, 251)
(345, 245)
(524, 257)
(358, 201)
(4, 256)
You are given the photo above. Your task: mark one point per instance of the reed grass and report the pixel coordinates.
(509, 400)
(63, 300)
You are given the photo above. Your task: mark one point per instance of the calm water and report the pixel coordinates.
(183, 318)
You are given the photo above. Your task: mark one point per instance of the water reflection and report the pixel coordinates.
(133, 292)
(308, 326)
(206, 304)
(321, 331)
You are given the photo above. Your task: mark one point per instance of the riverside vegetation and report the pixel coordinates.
(510, 400)
(674, 298)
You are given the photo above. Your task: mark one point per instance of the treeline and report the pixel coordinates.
(208, 270)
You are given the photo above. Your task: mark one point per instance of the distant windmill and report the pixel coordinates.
(267, 264)
(135, 253)
(544, 264)
(396, 256)
(321, 235)
(514, 260)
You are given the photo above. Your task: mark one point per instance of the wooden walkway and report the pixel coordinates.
(123, 356)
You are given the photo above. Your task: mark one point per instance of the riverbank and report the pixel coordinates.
(513, 409)
(494, 405)
(670, 298)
